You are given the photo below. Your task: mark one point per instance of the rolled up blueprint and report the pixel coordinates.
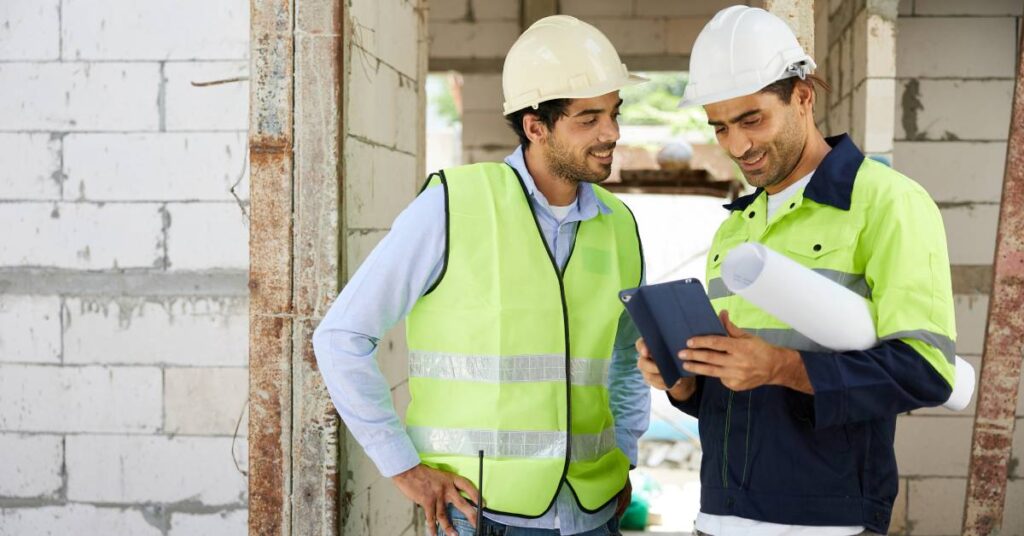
(822, 310)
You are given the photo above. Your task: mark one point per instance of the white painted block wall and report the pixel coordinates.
(123, 195)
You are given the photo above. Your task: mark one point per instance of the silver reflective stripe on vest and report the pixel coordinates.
(942, 342)
(788, 338)
(507, 369)
(510, 443)
(854, 282)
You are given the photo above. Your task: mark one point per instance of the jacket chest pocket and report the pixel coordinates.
(829, 244)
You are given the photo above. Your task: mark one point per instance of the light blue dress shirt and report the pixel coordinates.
(402, 267)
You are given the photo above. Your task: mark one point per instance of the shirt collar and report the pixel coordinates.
(586, 200)
(832, 182)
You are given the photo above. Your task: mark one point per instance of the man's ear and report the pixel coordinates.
(803, 94)
(534, 128)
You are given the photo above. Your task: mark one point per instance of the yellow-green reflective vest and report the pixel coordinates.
(510, 356)
(890, 247)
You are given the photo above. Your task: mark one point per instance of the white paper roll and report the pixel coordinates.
(817, 307)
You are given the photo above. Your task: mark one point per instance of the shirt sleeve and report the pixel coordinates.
(379, 295)
(907, 268)
(629, 396)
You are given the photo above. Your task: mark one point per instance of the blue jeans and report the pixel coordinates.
(490, 528)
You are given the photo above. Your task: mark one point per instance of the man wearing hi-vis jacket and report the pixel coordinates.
(520, 356)
(798, 439)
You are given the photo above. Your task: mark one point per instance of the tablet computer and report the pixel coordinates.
(669, 314)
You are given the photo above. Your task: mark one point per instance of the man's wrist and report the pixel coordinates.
(792, 373)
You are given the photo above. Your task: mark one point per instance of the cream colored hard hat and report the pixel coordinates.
(561, 57)
(742, 50)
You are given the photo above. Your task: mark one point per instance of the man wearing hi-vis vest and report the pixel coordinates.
(798, 439)
(521, 359)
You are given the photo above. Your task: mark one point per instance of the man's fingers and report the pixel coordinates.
(709, 357)
(732, 329)
(464, 485)
(442, 516)
(641, 348)
(431, 513)
(702, 369)
(461, 504)
(712, 342)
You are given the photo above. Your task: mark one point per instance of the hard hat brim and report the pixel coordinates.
(630, 80)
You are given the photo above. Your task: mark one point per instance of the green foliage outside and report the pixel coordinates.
(440, 95)
(657, 103)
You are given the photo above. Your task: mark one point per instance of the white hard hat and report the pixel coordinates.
(561, 57)
(742, 50)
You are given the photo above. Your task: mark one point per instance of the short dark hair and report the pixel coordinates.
(548, 112)
(783, 89)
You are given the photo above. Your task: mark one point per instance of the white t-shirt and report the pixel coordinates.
(561, 212)
(775, 201)
(738, 526)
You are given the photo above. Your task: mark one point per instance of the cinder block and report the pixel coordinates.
(30, 30)
(204, 401)
(79, 96)
(77, 519)
(30, 329)
(359, 245)
(681, 33)
(209, 332)
(207, 235)
(971, 319)
(592, 9)
(36, 398)
(873, 104)
(839, 117)
(934, 110)
(672, 8)
(393, 356)
(389, 31)
(382, 104)
(444, 10)
(484, 39)
(971, 233)
(486, 130)
(1013, 517)
(31, 466)
(983, 47)
(933, 446)
(156, 167)
(898, 520)
(491, 10)
(936, 506)
(380, 508)
(1006, 8)
(955, 171)
(219, 524)
(384, 187)
(906, 8)
(31, 167)
(218, 107)
(634, 36)
(482, 93)
(81, 235)
(874, 47)
(142, 469)
(155, 30)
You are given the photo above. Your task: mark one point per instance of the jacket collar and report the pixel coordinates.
(832, 182)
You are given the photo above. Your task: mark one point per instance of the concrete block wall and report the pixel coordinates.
(955, 65)
(385, 71)
(123, 309)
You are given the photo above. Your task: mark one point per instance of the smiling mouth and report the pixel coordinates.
(751, 164)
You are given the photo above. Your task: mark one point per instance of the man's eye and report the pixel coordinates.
(590, 121)
(751, 122)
